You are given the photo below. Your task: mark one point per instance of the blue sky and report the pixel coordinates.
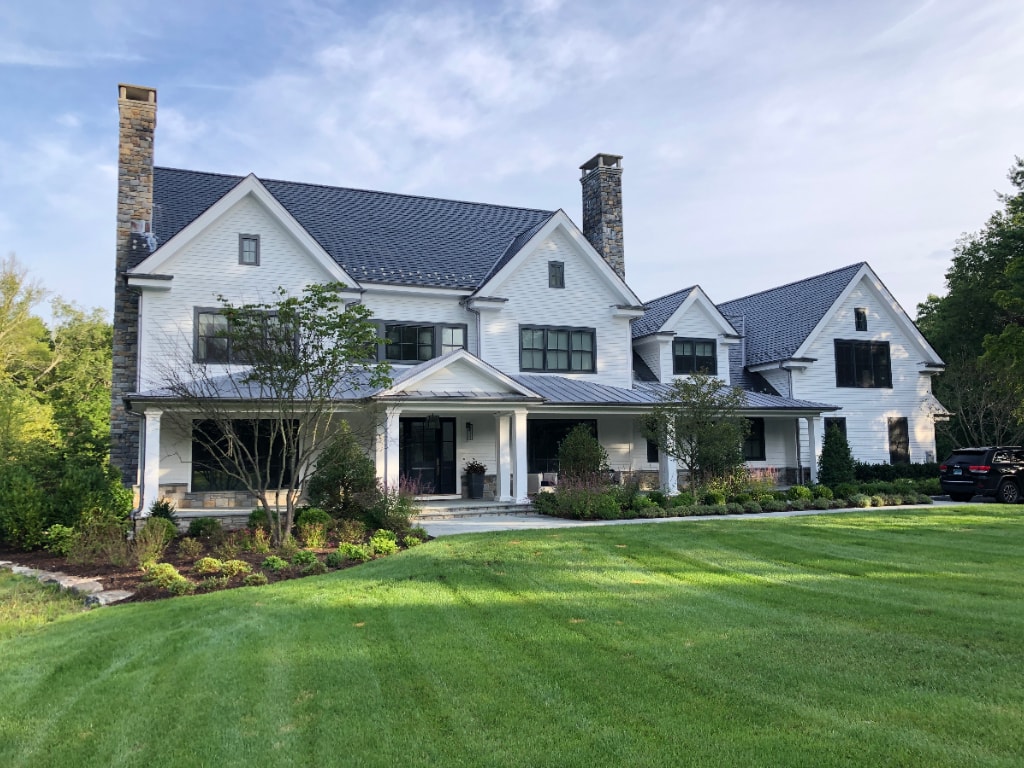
(763, 141)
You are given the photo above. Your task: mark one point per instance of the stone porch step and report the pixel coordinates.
(452, 509)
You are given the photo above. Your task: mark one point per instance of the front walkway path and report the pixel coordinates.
(522, 522)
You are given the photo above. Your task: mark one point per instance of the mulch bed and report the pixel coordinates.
(130, 577)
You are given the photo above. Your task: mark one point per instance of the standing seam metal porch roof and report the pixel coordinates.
(376, 237)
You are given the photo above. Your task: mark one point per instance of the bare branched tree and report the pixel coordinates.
(299, 365)
(985, 399)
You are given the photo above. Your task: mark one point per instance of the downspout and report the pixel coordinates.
(479, 327)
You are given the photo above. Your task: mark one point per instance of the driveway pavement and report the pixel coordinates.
(530, 520)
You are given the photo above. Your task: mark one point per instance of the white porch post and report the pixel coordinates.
(812, 449)
(151, 465)
(668, 472)
(519, 469)
(388, 468)
(504, 453)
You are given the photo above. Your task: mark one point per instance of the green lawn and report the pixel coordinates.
(26, 604)
(885, 638)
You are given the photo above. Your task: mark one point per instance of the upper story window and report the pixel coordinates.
(416, 343)
(213, 345)
(863, 364)
(556, 349)
(267, 341)
(556, 274)
(694, 356)
(860, 319)
(249, 250)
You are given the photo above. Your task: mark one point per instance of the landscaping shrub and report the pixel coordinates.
(846, 490)
(384, 542)
(231, 545)
(752, 508)
(928, 486)
(358, 552)
(288, 547)
(411, 541)
(166, 576)
(23, 508)
(821, 503)
(164, 508)
(259, 540)
(259, 518)
(859, 500)
(313, 535)
(351, 531)
(713, 497)
(658, 497)
(205, 528)
(274, 564)
(580, 455)
(822, 492)
(212, 584)
(304, 557)
(334, 559)
(877, 500)
(256, 580)
(733, 508)
(190, 548)
(742, 498)
(311, 515)
(836, 464)
(235, 567)
(59, 539)
(343, 478)
(545, 504)
(152, 539)
(773, 505)
(208, 566)
(798, 505)
(315, 568)
(799, 492)
(103, 539)
(684, 499)
(391, 510)
(890, 472)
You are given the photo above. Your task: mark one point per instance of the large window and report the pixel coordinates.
(216, 343)
(899, 440)
(257, 448)
(412, 343)
(212, 342)
(543, 436)
(863, 364)
(694, 356)
(753, 446)
(556, 349)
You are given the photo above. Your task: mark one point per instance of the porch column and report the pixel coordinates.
(668, 473)
(151, 462)
(812, 449)
(519, 469)
(504, 453)
(388, 468)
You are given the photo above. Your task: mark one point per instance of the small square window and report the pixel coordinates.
(860, 318)
(249, 250)
(556, 274)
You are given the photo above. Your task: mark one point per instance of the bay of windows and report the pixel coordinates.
(556, 349)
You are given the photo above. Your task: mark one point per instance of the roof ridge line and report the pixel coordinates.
(794, 282)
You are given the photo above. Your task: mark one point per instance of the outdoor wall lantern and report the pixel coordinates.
(469, 430)
(433, 422)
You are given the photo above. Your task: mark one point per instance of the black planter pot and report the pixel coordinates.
(475, 483)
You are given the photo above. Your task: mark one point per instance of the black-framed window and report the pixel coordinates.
(694, 356)
(556, 349)
(860, 318)
(556, 274)
(839, 422)
(419, 342)
(213, 340)
(753, 446)
(652, 452)
(249, 250)
(264, 447)
(543, 436)
(863, 364)
(899, 440)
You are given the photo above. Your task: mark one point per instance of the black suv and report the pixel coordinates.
(995, 471)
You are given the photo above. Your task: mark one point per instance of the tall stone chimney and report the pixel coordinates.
(137, 109)
(602, 208)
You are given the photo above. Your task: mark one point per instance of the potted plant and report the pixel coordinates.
(475, 472)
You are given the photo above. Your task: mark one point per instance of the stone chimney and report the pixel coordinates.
(602, 208)
(136, 106)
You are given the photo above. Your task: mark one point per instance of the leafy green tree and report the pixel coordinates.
(699, 422)
(836, 464)
(302, 353)
(976, 328)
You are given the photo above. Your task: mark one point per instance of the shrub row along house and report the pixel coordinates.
(506, 327)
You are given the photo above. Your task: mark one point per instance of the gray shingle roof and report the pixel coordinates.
(377, 237)
(658, 311)
(777, 321)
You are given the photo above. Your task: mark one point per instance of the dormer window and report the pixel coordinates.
(249, 250)
(694, 356)
(860, 318)
(556, 274)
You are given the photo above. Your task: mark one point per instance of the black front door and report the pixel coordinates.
(426, 453)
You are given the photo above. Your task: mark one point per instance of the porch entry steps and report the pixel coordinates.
(447, 509)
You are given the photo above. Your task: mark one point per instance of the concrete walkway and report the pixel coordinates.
(530, 521)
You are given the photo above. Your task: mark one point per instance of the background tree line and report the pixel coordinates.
(978, 329)
(54, 412)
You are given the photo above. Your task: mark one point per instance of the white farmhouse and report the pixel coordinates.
(506, 327)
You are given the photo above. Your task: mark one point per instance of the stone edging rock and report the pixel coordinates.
(90, 588)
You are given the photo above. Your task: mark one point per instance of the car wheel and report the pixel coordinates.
(961, 496)
(1009, 493)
